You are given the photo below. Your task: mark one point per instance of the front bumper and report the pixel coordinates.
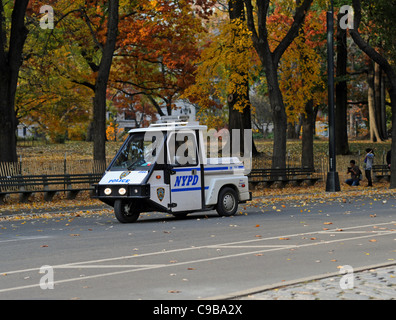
(123, 191)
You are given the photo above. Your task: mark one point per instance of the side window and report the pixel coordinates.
(182, 148)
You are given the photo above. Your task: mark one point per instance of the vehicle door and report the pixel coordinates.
(185, 178)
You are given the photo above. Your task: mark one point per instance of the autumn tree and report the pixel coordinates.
(156, 52)
(86, 31)
(46, 99)
(226, 69)
(385, 12)
(341, 89)
(12, 17)
(300, 72)
(99, 101)
(270, 61)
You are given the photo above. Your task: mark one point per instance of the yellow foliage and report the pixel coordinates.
(300, 77)
(113, 132)
(225, 65)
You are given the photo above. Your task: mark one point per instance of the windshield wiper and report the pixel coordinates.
(136, 162)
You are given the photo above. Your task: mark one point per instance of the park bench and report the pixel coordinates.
(381, 171)
(72, 184)
(297, 175)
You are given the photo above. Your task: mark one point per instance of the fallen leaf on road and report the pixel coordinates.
(328, 223)
(284, 238)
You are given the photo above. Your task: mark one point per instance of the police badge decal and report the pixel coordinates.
(160, 193)
(124, 174)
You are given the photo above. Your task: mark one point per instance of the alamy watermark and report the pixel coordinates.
(346, 22)
(47, 280)
(184, 147)
(347, 280)
(47, 21)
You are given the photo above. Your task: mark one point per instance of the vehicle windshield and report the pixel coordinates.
(136, 154)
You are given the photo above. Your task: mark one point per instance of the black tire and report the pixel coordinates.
(125, 212)
(227, 202)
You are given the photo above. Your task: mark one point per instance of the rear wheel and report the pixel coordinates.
(125, 212)
(227, 203)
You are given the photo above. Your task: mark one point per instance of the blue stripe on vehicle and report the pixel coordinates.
(224, 168)
(188, 189)
(208, 169)
(217, 168)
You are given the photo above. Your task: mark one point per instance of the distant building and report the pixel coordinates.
(26, 131)
(183, 108)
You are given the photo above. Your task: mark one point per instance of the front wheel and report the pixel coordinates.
(227, 203)
(125, 212)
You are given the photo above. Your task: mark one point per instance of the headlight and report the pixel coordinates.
(136, 190)
(107, 191)
(122, 191)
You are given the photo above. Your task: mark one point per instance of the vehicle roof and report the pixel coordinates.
(171, 126)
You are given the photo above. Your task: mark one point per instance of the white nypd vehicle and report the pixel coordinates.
(164, 168)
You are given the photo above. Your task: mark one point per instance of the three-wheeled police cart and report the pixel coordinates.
(164, 168)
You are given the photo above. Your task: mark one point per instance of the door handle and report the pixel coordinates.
(194, 172)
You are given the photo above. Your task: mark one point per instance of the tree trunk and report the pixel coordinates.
(270, 61)
(392, 94)
(342, 146)
(307, 159)
(374, 133)
(240, 120)
(380, 109)
(390, 72)
(292, 132)
(10, 63)
(8, 121)
(279, 117)
(99, 122)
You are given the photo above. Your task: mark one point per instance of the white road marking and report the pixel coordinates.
(112, 266)
(137, 268)
(23, 238)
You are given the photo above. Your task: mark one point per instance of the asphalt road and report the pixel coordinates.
(203, 256)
